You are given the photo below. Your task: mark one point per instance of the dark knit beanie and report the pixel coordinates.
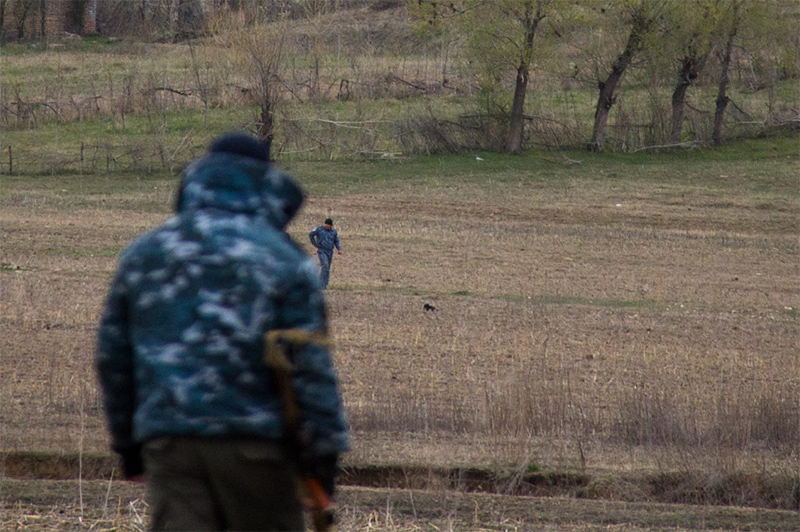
(328, 221)
(240, 144)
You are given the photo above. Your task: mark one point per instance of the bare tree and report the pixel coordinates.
(43, 22)
(500, 36)
(734, 21)
(259, 53)
(21, 10)
(189, 17)
(316, 14)
(694, 25)
(530, 19)
(691, 66)
(640, 16)
(3, 5)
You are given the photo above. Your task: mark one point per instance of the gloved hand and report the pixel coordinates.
(132, 464)
(325, 469)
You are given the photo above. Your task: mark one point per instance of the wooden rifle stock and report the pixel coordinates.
(276, 343)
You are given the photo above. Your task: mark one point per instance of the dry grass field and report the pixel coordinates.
(625, 318)
(103, 506)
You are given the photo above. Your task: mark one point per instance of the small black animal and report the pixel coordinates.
(430, 307)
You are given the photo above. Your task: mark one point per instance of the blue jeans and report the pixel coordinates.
(325, 258)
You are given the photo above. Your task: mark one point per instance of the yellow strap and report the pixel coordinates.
(274, 353)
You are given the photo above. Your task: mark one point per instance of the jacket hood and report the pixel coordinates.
(241, 185)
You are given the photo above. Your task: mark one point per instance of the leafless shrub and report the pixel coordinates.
(649, 416)
(770, 419)
(125, 103)
(259, 53)
(524, 405)
(427, 134)
(380, 5)
(206, 79)
(554, 131)
(698, 123)
(141, 19)
(735, 488)
(414, 413)
(659, 417)
(630, 128)
(328, 137)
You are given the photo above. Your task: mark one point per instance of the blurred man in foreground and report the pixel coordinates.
(191, 403)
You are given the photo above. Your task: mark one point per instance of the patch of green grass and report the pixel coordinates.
(96, 44)
(86, 186)
(81, 252)
(10, 267)
(766, 167)
(539, 300)
(170, 127)
(86, 44)
(753, 165)
(578, 300)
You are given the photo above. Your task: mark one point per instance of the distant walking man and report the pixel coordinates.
(325, 238)
(194, 405)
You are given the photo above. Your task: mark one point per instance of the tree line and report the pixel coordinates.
(677, 40)
(500, 50)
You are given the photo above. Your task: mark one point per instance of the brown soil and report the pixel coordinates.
(560, 319)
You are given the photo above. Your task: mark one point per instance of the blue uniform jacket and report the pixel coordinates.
(324, 240)
(181, 339)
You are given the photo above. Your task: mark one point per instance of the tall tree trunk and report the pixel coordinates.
(143, 17)
(516, 119)
(190, 14)
(266, 128)
(691, 66)
(685, 78)
(724, 81)
(3, 4)
(22, 16)
(607, 98)
(315, 90)
(43, 22)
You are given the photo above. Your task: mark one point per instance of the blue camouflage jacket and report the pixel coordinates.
(324, 239)
(181, 339)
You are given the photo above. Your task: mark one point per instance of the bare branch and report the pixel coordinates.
(691, 144)
(169, 89)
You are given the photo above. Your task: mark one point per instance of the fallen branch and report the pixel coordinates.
(422, 86)
(7, 109)
(410, 84)
(696, 110)
(690, 144)
(745, 113)
(169, 89)
(44, 104)
(347, 124)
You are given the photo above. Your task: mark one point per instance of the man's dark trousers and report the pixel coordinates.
(325, 258)
(251, 481)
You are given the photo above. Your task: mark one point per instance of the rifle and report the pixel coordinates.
(277, 357)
